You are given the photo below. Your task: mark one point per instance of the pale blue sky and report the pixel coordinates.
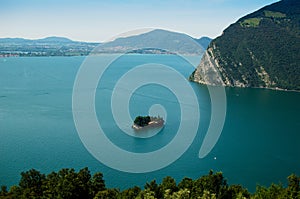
(96, 20)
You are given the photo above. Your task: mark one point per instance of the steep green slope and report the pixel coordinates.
(261, 49)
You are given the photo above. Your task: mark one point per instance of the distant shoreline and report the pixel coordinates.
(89, 54)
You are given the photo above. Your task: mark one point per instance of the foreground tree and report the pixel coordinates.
(97, 183)
(131, 193)
(154, 187)
(31, 183)
(3, 191)
(293, 189)
(69, 184)
(168, 183)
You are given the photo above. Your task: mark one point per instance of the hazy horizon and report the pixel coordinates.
(122, 35)
(97, 21)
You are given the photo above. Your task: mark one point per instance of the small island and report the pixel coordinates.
(142, 122)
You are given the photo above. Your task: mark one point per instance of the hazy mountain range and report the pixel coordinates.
(163, 40)
(156, 41)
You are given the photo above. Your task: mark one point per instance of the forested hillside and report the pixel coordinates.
(261, 49)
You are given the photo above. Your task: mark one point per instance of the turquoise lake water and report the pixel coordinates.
(259, 143)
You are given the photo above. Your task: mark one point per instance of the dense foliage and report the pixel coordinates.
(264, 42)
(69, 184)
(142, 120)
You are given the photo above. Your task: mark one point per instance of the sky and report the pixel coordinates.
(99, 21)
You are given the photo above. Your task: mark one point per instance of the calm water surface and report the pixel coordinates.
(258, 145)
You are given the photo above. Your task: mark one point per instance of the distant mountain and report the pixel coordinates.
(157, 39)
(13, 40)
(204, 41)
(55, 40)
(261, 49)
(44, 40)
(153, 42)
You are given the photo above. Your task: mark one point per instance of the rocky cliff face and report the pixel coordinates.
(261, 49)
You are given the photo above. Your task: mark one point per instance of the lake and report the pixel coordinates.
(259, 143)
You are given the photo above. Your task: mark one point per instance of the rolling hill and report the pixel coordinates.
(163, 40)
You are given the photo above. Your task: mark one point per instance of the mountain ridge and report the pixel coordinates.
(262, 49)
(158, 41)
(49, 39)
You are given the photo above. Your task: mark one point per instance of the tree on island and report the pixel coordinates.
(142, 120)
